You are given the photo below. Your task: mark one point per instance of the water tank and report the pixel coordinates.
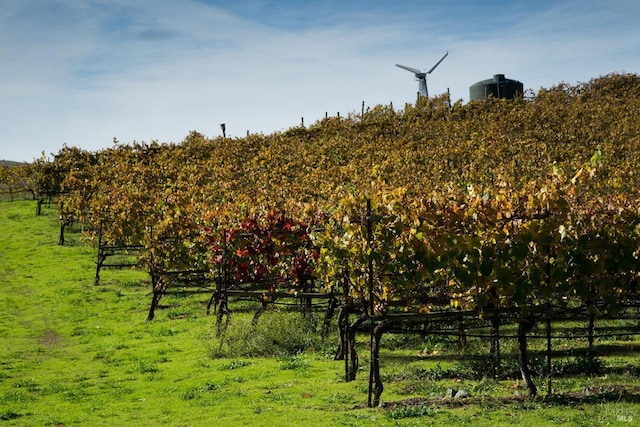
(498, 87)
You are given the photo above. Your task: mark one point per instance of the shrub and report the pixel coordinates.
(276, 334)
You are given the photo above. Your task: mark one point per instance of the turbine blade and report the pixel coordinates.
(438, 63)
(413, 70)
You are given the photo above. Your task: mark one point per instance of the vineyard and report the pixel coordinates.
(509, 214)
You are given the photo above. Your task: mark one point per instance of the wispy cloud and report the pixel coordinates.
(82, 72)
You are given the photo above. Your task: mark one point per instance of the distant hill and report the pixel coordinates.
(10, 163)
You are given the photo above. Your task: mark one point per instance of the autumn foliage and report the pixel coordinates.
(495, 202)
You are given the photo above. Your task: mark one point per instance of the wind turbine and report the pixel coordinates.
(421, 77)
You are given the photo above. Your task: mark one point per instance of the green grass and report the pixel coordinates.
(72, 353)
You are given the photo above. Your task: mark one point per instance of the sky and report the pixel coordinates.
(83, 72)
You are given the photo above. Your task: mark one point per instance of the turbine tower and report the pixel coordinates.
(421, 77)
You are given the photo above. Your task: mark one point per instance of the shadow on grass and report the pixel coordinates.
(602, 350)
(605, 394)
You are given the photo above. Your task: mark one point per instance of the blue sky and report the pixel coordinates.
(82, 72)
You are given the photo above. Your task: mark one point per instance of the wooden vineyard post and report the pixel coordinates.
(264, 304)
(495, 344)
(343, 327)
(101, 256)
(157, 282)
(306, 303)
(63, 222)
(590, 307)
(376, 387)
(549, 373)
(223, 297)
(39, 206)
(590, 336)
(373, 343)
(524, 326)
(61, 237)
(351, 341)
(331, 308)
(345, 341)
(495, 334)
(220, 280)
(462, 335)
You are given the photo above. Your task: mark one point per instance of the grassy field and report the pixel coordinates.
(73, 353)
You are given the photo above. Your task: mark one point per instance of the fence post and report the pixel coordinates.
(101, 256)
(373, 342)
(549, 373)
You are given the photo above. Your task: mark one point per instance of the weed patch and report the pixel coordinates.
(411, 412)
(16, 396)
(297, 362)
(9, 415)
(277, 334)
(235, 364)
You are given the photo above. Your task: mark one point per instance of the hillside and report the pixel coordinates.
(10, 163)
(428, 150)
(74, 354)
(512, 214)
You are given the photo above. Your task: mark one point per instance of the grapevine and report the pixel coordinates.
(519, 205)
